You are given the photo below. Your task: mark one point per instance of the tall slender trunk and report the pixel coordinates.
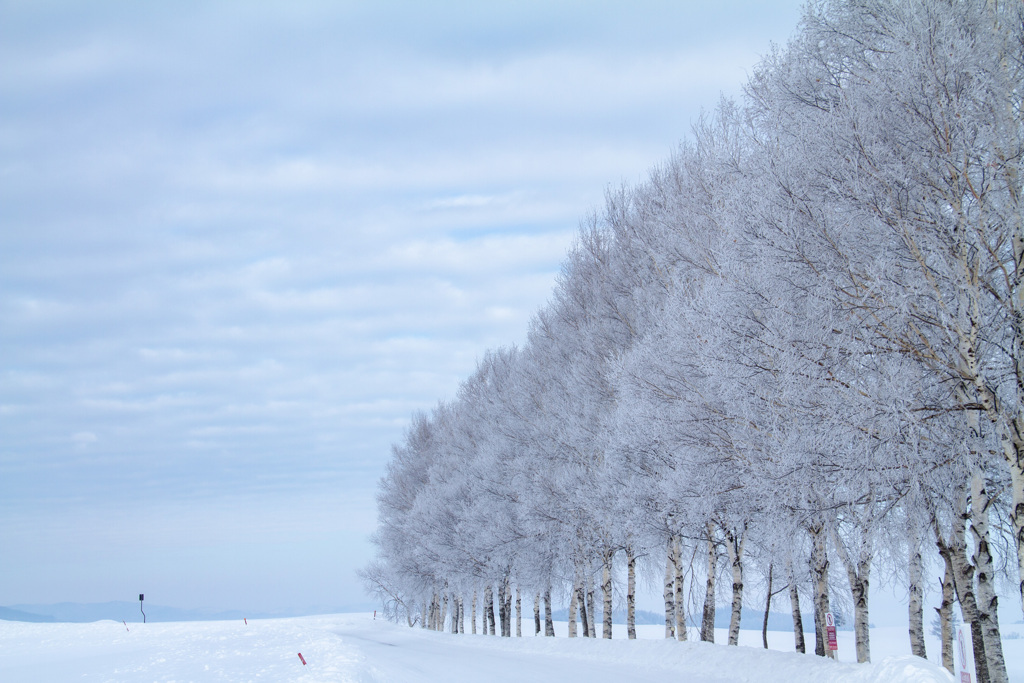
(472, 612)
(501, 609)
(508, 607)
(963, 581)
(444, 613)
(581, 596)
(735, 539)
(945, 610)
(536, 614)
(680, 583)
(669, 593)
(819, 570)
(573, 603)
(549, 624)
(489, 610)
(426, 612)
(591, 612)
(707, 624)
(630, 594)
(519, 613)
(988, 612)
(858, 570)
(915, 588)
(462, 615)
(767, 608)
(606, 594)
(794, 604)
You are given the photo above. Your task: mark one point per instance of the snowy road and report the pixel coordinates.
(354, 648)
(413, 655)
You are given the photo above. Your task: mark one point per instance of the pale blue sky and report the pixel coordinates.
(240, 243)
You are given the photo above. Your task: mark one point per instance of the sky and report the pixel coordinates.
(241, 243)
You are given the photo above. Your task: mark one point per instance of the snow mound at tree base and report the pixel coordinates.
(907, 668)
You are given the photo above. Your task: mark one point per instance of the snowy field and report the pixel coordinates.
(356, 648)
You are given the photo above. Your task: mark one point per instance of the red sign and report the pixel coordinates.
(830, 630)
(303, 659)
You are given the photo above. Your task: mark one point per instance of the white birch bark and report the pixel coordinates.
(963, 581)
(915, 589)
(669, 592)
(988, 613)
(858, 572)
(707, 624)
(472, 612)
(581, 597)
(549, 624)
(606, 594)
(489, 610)
(945, 610)
(680, 600)
(767, 608)
(819, 570)
(443, 616)
(735, 539)
(591, 632)
(536, 615)
(573, 598)
(630, 594)
(519, 613)
(794, 605)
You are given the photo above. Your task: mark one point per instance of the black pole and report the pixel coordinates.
(141, 596)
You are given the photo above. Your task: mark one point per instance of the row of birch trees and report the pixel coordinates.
(787, 363)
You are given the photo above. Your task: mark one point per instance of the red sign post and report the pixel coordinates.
(965, 649)
(830, 630)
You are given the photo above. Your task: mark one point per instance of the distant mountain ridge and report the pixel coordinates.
(74, 612)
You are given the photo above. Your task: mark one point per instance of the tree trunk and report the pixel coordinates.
(573, 600)
(669, 592)
(794, 604)
(536, 615)
(707, 624)
(444, 613)
(581, 596)
(489, 610)
(767, 608)
(945, 610)
(680, 600)
(819, 570)
(988, 613)
(606, 594)
(508, 608)
(915, 588)
(591, 613)
(734, 545)
(630, 594)
(963, 581)
(858, 572)
(549, 624)
(519, 613)
(472, 612)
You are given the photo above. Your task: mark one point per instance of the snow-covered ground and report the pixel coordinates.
(356, 648)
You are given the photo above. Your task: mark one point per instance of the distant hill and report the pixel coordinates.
(8, 614)
(74, 612)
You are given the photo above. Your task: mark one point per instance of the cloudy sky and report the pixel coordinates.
(240, 243)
